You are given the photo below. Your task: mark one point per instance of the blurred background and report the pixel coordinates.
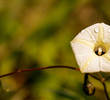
(37, 33)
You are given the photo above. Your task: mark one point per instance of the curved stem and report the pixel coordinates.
(86, 79)
(105, 90)
(94, 77)
(38, 69)
(101, 79)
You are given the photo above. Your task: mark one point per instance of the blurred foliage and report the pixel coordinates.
(37, 33)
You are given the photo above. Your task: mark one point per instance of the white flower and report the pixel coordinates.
(92, 48)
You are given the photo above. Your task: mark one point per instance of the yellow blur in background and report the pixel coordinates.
(37, 33)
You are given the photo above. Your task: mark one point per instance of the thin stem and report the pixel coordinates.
(38, 69)
(104, 85)
(98, 79)
(105, 90)
(102, 81)
(43, 68)
(86, 79)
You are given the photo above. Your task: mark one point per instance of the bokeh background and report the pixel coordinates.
(37, 33)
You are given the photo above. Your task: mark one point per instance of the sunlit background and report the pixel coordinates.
(37, 33)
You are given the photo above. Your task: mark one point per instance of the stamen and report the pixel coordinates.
(100, 50)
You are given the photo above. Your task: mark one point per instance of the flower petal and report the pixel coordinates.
(100, 33)
(104, 64)
(92, 65)
(84, 44)
(87, 43)
(106, 33)
(82, 54)
(88, 34)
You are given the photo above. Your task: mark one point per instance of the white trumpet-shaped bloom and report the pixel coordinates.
(92, 48)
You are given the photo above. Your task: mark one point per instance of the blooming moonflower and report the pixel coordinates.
(92, 48)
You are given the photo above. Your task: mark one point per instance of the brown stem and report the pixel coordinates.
(94, 76)
(38, 69)
(105, 90)
(101, 79)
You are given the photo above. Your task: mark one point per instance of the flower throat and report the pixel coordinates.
(100, 50)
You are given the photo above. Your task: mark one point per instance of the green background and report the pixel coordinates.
(37, 33)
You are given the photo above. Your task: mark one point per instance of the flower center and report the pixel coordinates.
(100, 50)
